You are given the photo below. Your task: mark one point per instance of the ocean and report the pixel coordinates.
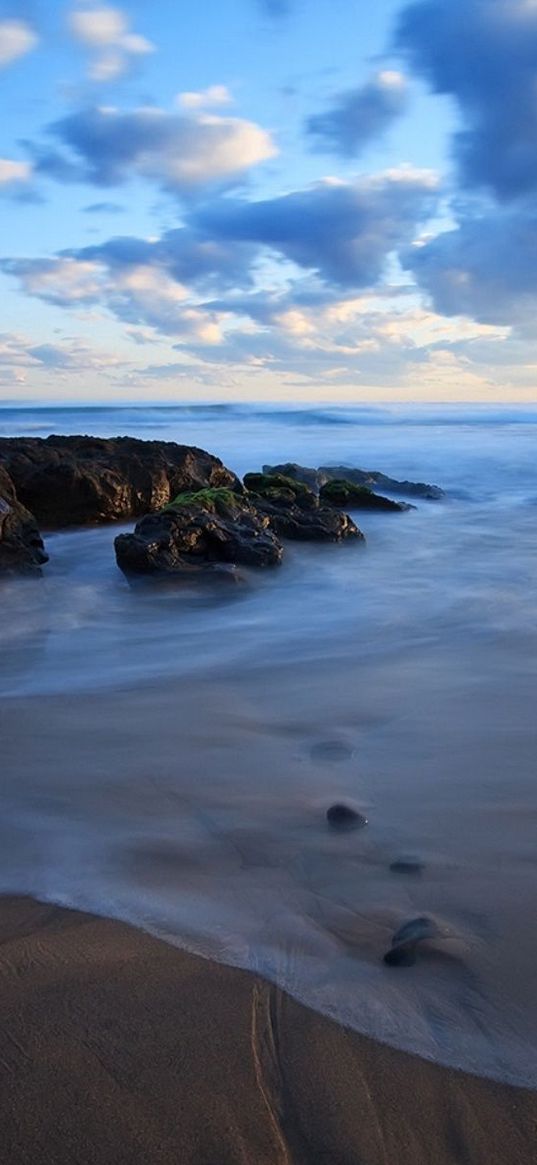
(169, 755)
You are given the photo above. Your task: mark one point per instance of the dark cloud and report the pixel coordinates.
(483, 53)
(486, 268)
(181, 152)
(359, 116)
(186, 254)
(343, 231)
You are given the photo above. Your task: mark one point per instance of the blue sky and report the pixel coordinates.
(272, 199)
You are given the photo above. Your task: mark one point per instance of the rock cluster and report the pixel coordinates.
(200, 530)
(316, 478)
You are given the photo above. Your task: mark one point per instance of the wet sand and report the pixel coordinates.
(117, 1048)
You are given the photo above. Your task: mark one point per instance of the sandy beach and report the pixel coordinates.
(117, 1048)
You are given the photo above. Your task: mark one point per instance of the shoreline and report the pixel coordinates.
(117, 1047)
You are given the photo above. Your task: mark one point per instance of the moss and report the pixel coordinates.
(212, 499)
(341, 489)
(265, 484)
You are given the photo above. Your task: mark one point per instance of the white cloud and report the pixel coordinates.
(104, 32)
(11, 173)
(214, 95)
(16, 39)
(62, 281)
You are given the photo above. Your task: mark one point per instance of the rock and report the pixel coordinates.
(418, 489)
(294, 512)
(21, 546)
(400, 957)
(406, 939)
(407, 865)
(358, 497)
(197, 533)
(303, 473)
(69, 481)
(320, 525)
(281, 491)
(343, 816)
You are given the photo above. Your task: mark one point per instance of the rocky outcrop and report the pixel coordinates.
(73, 481)
(372, 478)
(196, 534)
(316, 478)
(21, 546)
(358, 497)
(294, 510)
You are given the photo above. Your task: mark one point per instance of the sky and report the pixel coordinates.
(268, 199)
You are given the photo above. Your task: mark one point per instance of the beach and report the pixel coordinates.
(169, 756)
(117, 1048)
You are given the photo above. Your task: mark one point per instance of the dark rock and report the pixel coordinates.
(407, 866)
(21, 546)
(400, 957)
(344, 816)
(68, 481)
(406, 939)
(358, 497)
(197, 533)
(294, 512)
(323, 524)
(312, 477)
(371, 478)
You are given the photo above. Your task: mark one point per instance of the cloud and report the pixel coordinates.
(60, 280)
(485, 268)
(203, 98)
(342, 230)
(14, 173)
(359, 116)
(16, 39)
(19, 354)
(105, 33)
(182, 152)
(208, 278)
(103, 208)
(483, 54)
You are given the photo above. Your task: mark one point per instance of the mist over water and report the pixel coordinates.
(169, 755)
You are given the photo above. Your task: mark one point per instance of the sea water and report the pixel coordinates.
(169, 755)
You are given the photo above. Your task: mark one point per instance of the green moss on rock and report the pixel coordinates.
(210, 499)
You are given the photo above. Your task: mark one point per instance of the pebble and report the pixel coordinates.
(343, 816)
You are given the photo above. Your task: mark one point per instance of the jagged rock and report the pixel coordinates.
(418, 489)
(358, 497)
(294, 512)
(69, 481)
(196, 533)
(21, 546)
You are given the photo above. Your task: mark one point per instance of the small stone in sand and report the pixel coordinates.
(343, 816)
(331, 750)
(407, 865)
(406, 938)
